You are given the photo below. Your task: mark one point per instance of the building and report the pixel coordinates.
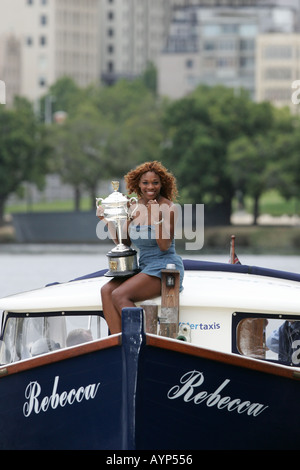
(133, 34)
(88, 40)
(190, 41)
(237, 3)
(278, 68)
(217, 45)
(10, 65)
(55, 37)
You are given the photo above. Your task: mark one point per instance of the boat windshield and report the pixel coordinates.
(269, 338)
(31, 335)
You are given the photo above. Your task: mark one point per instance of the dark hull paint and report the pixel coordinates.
(137, 391)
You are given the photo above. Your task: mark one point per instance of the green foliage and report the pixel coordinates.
(64, 95)
(106, 133)
(216, 141)
(198, 129)
(149, 77)
(23, 149)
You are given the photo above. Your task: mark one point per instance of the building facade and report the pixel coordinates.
(190, 42)
(133, 34)
(88, 40)
(10, 65)
(55, 37)
(278, 69)
(218, 46)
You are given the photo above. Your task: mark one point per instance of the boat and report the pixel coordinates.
(215, 385)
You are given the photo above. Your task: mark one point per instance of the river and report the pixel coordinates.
(25, 267)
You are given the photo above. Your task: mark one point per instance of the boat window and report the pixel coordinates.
(267, 337)
(35, 334)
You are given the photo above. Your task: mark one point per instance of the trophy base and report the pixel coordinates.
(123, 263)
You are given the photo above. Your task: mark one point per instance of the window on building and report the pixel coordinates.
(230, 28)
(248, 30)
(227, 45)
(29, 2)
(226, 62)
(275, 73)
(277, 94)
(43, 40)
(42, 63)
(42, 82)
(278, 51)
(110, 67)
(247, 62)
(209, 45)
(43, 20)
(29, 41)
(189, 63)
(211, 30)
(247, 44)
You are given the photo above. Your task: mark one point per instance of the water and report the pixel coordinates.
(26, 267)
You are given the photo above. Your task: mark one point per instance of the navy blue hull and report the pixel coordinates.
(80, 414)
(137, 391)
(205, 404)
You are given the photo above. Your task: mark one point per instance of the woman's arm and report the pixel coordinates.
(163, 217)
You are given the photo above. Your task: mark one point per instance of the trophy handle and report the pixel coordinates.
(136, 201)
(97, 200)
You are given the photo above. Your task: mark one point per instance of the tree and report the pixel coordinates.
(275, 164)
(109, 132)
(286, 166)
(23, 150)
(249, 160)
(81, 151)
(198, 131)
(141, 133)
(149, 77)
(63, 95)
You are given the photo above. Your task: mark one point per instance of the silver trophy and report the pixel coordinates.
(122, 259)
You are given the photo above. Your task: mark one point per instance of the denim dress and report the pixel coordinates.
(151, 259)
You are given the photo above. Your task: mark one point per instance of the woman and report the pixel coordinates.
(151, 229)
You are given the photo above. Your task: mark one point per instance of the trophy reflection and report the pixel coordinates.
(122, 259)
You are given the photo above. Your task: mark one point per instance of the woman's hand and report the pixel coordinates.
(165, 225)
(154, 212)
(100, 212)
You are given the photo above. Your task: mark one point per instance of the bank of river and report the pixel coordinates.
(259, 239)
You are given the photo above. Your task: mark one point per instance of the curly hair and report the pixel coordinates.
(168, 181)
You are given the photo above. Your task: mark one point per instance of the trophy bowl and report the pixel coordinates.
(122, 259)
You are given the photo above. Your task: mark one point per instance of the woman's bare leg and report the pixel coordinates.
(118, 294)
(111, 314)
(136, 289)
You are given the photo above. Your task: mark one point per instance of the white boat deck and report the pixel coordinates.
(211, 289)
